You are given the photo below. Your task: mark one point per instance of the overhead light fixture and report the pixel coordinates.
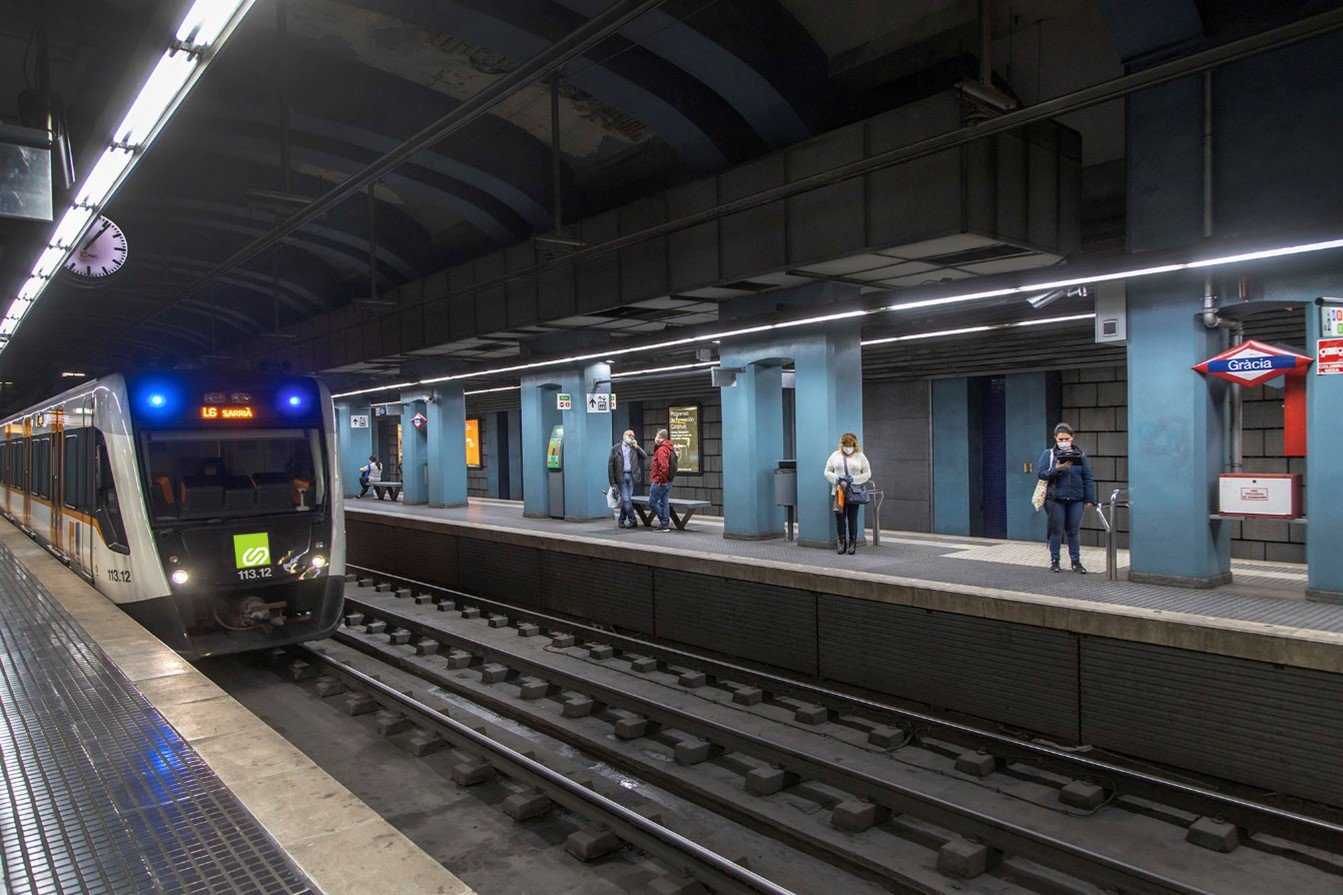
(204, 29)
(73, 375)
(1031, 288)
(486, 391)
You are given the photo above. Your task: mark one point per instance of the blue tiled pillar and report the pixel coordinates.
(829, 403)
(1324, 431)
(587, 442)
(1176, 438)
(414, 451)
(514, 455)
(446, 443)
(491, 425)
(355, 444)
(752, 444)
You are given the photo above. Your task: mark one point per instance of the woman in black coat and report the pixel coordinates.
(1071, 490)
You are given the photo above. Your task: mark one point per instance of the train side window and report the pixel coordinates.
(76, 470)
(42, 467)
(20, 467)
(107, 510)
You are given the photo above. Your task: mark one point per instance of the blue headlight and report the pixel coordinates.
(295, 400)
(157, 400)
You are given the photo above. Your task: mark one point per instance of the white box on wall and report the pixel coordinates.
(1111, 313)
(1248, 494)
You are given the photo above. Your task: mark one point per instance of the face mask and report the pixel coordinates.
(848, 450)
(629, 440)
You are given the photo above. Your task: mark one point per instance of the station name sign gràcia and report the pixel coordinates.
(1253, 363)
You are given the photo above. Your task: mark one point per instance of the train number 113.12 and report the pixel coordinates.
(121, 576)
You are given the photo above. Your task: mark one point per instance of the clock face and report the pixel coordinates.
(100, 252)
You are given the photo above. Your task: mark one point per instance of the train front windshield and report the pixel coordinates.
(195, 475)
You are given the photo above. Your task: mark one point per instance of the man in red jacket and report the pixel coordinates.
(664, 470)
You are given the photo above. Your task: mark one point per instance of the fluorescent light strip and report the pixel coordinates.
(486, 391)
(671, 369)
(1044, 321)
(1033, 288)
(198, 36)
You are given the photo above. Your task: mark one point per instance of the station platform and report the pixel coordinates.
(1262, 615)
(127, 771)
(1243, 683)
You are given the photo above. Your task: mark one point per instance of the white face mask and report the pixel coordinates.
(629, 440)
(848, 450)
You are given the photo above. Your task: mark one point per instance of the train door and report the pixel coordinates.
(87, 459)
(24, 467)
(56, 480)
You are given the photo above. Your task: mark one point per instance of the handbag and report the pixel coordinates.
(855, 493)
(1042, 487)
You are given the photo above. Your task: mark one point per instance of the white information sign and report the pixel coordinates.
(599, 403)
(564, 402)
(1331, 321)
(358, 421)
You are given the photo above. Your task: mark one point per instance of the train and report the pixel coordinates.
(207, 506)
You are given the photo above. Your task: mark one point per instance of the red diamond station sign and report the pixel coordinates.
(1254, 363)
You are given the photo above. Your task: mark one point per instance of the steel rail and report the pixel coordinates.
(1008, 837)
(548, 61)
(663, 843)
(1116, 88)
(1244, 813)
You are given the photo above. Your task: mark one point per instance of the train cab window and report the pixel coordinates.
(106, 505)
(252, 472)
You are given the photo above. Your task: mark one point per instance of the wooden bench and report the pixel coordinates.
(680, 520)
(392, 489)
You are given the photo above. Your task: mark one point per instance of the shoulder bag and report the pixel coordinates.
(854, 493)
(1042, 487)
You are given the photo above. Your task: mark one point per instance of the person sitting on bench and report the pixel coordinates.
(368, 474)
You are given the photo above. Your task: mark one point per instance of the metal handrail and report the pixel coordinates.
(1110, 522)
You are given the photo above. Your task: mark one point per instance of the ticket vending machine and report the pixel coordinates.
(555, 471)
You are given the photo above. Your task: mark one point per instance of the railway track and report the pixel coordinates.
(842, 747)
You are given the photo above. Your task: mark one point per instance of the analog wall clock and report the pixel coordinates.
(99, 254)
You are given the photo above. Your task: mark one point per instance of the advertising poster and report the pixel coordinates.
(473, 444)
(683, 429)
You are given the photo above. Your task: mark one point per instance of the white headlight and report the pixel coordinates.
(318, 561)
(180, 576)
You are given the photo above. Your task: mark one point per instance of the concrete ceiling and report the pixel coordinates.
(690, 89)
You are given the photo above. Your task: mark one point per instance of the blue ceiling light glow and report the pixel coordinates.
(157, 400)
(295, 400)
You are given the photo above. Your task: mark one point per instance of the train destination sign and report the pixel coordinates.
(683, 430)
(216, 412)
(1253, 363)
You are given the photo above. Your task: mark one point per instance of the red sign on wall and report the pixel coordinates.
(1330, 354)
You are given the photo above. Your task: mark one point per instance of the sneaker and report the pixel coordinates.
(1079, 568)
(1054, 566)
(662, 528)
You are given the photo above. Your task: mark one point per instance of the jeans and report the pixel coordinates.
(659, 501)
(1065, 516)
(626, 492)
(849, 514)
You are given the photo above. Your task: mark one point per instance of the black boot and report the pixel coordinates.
(840, 542)
(853, 545)
(1054, 566)
(1079, 568)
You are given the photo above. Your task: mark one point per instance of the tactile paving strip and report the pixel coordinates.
(99, 794)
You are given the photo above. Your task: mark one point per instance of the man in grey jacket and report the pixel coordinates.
(625, 467)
